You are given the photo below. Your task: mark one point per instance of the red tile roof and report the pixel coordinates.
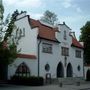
(76, 43)
(26, 56)
(45, 32)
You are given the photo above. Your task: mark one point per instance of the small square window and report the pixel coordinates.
(47, 48)
(65, 51)
(78, 53)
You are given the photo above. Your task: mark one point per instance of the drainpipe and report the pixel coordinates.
(39, 58)
(83, 66)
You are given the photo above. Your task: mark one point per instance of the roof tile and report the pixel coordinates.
(26, 56)
(76, 43)
(45, 31)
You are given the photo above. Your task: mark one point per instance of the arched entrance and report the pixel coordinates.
(88, 75)
(60, 70)
(69, 70)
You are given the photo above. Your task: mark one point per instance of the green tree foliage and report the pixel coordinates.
(8, 44)
(8, 47)
(49, 17)
(85, 37)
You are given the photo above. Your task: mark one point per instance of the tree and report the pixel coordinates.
(1, 9)
(8, 44)
(85, 37)
(49, 17)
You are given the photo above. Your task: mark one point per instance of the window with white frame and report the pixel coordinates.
(46, 48)
(78, 53)
(65, 51)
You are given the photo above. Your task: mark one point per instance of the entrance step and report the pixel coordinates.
(55, 81)
(71, 80)
(66, 81)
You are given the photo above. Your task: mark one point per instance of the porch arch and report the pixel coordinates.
(88, 75)
(60, 70)
(69, 71)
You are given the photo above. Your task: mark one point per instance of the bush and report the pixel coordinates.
(32, 81)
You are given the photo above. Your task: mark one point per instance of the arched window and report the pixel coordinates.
(22, 70)
(78, 68)
(65, 36)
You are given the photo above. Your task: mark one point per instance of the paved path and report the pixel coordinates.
(47, 87)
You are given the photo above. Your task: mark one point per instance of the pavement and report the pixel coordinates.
(46, 87)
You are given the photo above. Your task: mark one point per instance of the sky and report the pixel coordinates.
(75, 13)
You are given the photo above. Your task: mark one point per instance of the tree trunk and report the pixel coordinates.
(3, 72)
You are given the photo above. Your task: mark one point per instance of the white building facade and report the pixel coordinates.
(47, 50)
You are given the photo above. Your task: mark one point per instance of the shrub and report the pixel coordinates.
(32, 81)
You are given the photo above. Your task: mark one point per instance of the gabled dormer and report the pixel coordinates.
(64, 34)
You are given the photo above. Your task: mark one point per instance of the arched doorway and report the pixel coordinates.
(60, 70)
(88, 75)
(69, 70)
(22, 70)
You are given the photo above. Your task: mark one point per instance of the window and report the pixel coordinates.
(65, 51)
(78, 53)
(65, 37)
(22, 70)
(78, 68)
(47, 48)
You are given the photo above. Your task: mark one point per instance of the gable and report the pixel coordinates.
(76, 43)
(45, 32)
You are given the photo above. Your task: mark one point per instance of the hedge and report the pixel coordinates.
(32, 81)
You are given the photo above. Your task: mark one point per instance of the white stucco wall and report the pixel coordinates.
(31, 64)
(77, 62)
(28, 44)
(51, 58)
(71, 58)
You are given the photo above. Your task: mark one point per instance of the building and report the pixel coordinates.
(46, 50)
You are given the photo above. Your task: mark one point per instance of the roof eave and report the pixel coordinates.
(77, 46)
(48, 39)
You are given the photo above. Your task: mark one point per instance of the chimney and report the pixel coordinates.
(64, 23)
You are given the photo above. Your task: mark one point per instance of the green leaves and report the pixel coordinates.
(85, 37)
(8, 45)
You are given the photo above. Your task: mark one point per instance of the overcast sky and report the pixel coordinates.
(75, 13)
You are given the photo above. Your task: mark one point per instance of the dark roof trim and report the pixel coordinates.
(48, 39)
(26, 56)
(65, 25)
(76, 46)
(21, 17)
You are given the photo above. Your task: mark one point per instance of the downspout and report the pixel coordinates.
(39, 58)
(83, 62)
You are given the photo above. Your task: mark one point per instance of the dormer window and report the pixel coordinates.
(65, 37)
